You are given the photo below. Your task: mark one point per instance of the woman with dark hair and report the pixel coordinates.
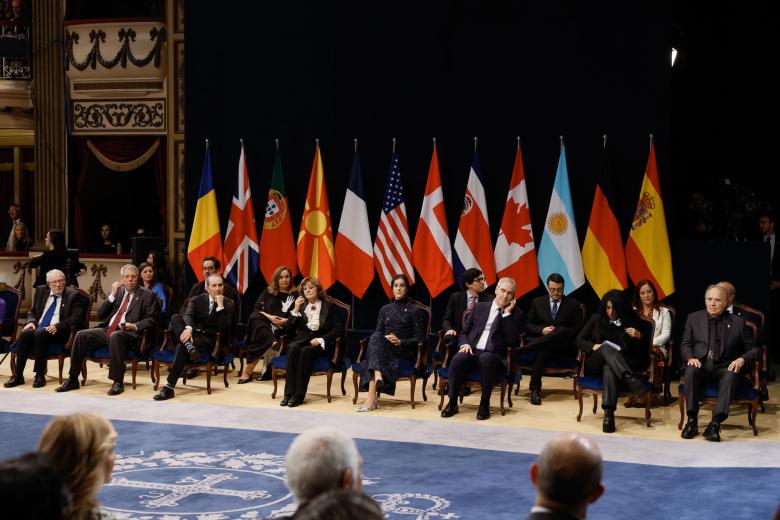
(21, 240)
(157, 260)
(270, 314)
(399, 328)
(617, 343)
(107, 244)
(149, 281)
(316, 325)
(55, 256)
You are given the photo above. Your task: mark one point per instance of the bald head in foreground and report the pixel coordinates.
(567, 478)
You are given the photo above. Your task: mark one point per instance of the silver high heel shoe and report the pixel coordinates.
(371, 408)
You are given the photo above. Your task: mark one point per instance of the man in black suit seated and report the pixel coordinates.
(490, 328)
(567, 478)
(460, 301)
(211, 265)
(555, 320)
(196, 329)
(55, 308)
(129, 310)
(715, 346)
(732, 307)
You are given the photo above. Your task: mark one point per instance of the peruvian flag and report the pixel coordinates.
(515, 253)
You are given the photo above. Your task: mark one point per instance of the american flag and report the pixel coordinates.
(392, 248)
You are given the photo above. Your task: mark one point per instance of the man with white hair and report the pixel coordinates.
(490, 329)
(128, 311)
(55, 309)
(319, 460)
(567, 478)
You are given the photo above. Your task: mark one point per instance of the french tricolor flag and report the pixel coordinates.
(354, 253)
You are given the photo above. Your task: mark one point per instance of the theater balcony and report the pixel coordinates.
(117, 76)
(15, 77)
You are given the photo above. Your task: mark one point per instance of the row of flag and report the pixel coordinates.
(352, 258)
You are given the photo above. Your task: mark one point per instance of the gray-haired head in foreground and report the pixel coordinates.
(316, 461)
(569, 470)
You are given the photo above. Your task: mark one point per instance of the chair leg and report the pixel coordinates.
(330, 380)
(595, 402)
(61, 361)
(509, 394)
(156, 374)
(648, 399)
(442, 381)
(355, 385)
(208, 378)
(343, 378)
(225, 373)
(13, 363)
(503, 395)
(412, 384)
(273, 378)
(681, 398)
(425, 383)
(579, 397)
(574, 387)
(752, 412)
(84, 372)
(133, 370)
(435, 376)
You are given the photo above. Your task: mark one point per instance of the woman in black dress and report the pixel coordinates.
(617, 323)
(54, 257)
(316, 324)
(270, 313)
(399, 328)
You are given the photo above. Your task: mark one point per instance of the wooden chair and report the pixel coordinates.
(101, 356)
(10, 324)
(757, 318)
(60, 351)
(323, 365)
(408, 370)
(209, 362)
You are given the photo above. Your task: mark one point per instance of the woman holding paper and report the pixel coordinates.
(617, 344)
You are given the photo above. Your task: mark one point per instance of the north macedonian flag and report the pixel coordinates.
(315, 240)
(277, 242)
(205, 237)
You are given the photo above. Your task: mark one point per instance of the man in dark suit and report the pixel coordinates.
(128, 311)
(489, 330)
(55, 309)
(715, 346)
(567, 478)
(767, 225)
(553, 321)
(211, 265)
(196, 329)
(460, 301)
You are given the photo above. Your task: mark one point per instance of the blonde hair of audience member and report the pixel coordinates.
(322, 459)
(568, 475)
(81, 447)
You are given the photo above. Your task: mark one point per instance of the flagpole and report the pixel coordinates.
(561, 141)
(434, 142)
(518, 141)
(651, 140)
(276, 141)
(475, 143)
(393, 144)
(605, 141)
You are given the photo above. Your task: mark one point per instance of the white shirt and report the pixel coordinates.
(313, 319)
(483, 338)
(771, 240)
(129, 296)
(55, 318)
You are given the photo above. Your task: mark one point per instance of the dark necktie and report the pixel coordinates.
(212, 309)
(118, 316)
(554, 309)
(714, 340)
(46, 320)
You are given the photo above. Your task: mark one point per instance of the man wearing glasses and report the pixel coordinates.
(55, 308)
(461, 301)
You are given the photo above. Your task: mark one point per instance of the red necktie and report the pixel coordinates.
(118, 316)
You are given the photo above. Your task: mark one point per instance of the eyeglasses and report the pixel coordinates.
(480, 279)
(57, 282)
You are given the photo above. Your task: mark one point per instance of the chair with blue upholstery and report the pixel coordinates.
(408, 369)
(60, 351)
(9, 324)
(209, 362)
(323, 365)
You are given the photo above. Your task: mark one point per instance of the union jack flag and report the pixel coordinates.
(241, 251)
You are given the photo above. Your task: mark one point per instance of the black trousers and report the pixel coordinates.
(612, 366)
(118, 345)
(300, 362)
(203, 343)
(35, 343)
(489, 365)
(554, 344)
(695, 378)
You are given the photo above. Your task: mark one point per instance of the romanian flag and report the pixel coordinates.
(205, 238)
(276, 242)
(602, 253)
(315, 240)
(647, 251)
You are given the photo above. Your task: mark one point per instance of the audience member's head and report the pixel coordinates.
(14, 210)
(305, 288)
(715, 299)
(105, 233)
(731, 292)
(341, 504)
(210, 265)
(555, 285)
(31, 489)
(21, 235)
(81, 448)
(473, 279)
(148, 274)
(766, 223)
(645, 294)
(55, 240)
(613, 307)
(281, 281)
(568, 475)
(322, 459)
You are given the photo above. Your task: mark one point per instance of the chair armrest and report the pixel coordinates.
(336, 352)
(145, 340)
(581, 357)
(218, 345)
(361, 350)
(71, 337)
(756, 380)
(420, 360)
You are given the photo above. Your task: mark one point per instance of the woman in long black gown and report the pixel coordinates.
(399, 328)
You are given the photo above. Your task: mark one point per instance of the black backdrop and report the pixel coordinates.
(413, 70)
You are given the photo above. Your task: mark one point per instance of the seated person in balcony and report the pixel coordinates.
(270, 314)
(21, 238)
(129, 310)
(149, 281)
(55, 309)
(716, 346)
(7, 233)
(316, 324)
(460, 301)
(107, 244)
(55, 256)
(554, 320)
(399, 328)
(195, 331)
(618, 324)
(483, 345)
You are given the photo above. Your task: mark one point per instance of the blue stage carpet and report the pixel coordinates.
(178, 472)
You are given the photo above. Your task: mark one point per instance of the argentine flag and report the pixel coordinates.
(559, 251)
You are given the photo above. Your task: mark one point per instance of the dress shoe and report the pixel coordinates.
(483, 412)
(608, 426)
(536, 397)
(284, 402)
(67, 386)
(294, 401)
(193, 353)
(371, 408)
(691, 429)
(39, 381)
(712, 432)
(117, 388)
(244, 381)
(266, 375)
(380, 385)
(14, 381)
(166, 392)
(636, 385)
(450, 410)
(191, 373)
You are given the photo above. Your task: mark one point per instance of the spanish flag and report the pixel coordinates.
(602, 252)
(647, 251)
(205, 238)
(315, 240)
